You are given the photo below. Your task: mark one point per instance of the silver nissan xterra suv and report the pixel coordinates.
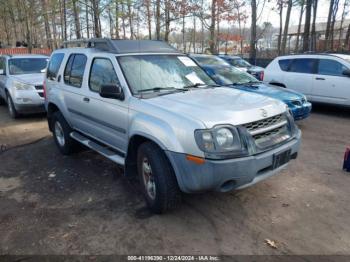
(154, 111)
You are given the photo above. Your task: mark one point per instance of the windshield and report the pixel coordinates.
(210, 60)
(231, 75)
(240, 63)
(19, 66)
(161, 72)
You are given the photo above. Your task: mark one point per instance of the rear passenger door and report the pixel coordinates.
(300, 75)
(108, 118)
(330, 84)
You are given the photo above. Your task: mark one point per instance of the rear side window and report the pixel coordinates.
(284, 64)
(330, 67)
(54, 65)
(102, 73)
(303, 65)
(74, 71)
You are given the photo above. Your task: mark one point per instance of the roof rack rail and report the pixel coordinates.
(122, 46)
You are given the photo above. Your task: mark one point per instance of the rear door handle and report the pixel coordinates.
(320, 78)
(86, 99)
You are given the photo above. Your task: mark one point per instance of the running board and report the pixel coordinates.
(98, 148)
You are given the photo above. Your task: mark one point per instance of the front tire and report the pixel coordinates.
(157, 178)
(11, 107)
(61, 133)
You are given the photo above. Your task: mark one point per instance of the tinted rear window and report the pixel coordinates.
(284, 64)
(54, 66)
(303, 65)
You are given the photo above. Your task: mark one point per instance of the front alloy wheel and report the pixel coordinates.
(148, 179)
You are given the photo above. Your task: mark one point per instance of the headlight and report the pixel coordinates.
(222, 140)
(22, 86)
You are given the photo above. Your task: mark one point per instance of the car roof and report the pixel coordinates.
(314, 55)
(231, 56)
(26, 56)
(118, 46)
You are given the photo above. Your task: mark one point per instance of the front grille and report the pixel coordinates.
(253, 126)
(269, 131)
(39, 87)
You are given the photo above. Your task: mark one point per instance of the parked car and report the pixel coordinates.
(230, 76)
(245, 66)
(321, 77)
(21, 83)
(153, 110)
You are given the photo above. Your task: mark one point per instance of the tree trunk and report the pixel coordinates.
(347, 38)
(328, 27)
(130, 16)
(96, 14)
(64, 20)
(313, 30)
(123, 20)
(87, 19)
(194, 34)
(286, 25)
(47, 24)
(212, 40)
(158, 19)
(296, 50)
(167, 25)
(183, 34)
(341, 24)
(252, 52)
(149, 19)
(279, 40)
(306, 36)
(76, 12)
(117, 19)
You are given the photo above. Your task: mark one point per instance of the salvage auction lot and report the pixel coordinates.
(52, 204)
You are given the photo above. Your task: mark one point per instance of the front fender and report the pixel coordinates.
(155, 129)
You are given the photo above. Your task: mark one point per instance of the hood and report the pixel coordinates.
(272, 91)
(32, 79)
(213, 106)
(255, 69)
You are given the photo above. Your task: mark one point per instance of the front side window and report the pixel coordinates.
(231, 75)
(20, 66)
(102, 73)
(3, 64)
(74, 71)
(54, 65)
(161, 72)
(303, 65)
(330, 67)
(210, 60)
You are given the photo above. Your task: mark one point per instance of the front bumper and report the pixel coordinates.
(28, 102)
(225, 175)
(301, 112)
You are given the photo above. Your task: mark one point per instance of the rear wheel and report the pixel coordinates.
(157, 177)
(11, 107)
(61, 134)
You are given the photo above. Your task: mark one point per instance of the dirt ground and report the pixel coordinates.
(51, 204)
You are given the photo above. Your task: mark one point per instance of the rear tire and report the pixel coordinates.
(157, 178)
(11, 107)
(61, 133)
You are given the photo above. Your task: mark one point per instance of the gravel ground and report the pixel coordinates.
(51, 204)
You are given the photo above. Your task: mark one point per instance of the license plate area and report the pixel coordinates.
(281, 158)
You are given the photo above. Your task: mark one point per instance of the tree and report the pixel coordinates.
(306, 36)
(301, 3)
(286, 25)
(252, 51)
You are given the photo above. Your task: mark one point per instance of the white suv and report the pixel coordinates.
(321, 77)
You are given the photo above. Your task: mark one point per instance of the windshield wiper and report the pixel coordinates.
(197, 85)
(156, 89)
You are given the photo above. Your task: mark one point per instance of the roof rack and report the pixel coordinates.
(122, 46)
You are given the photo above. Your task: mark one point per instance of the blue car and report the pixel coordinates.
(227, 75)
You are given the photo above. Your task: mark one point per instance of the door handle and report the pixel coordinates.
(86, 99)
(320, 78)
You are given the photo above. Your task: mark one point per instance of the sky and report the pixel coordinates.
(271, 16)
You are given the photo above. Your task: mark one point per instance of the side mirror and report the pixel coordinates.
(346, 72)
(2, 72)
(112, 91)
